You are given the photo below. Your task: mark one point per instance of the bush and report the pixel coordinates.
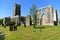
(9, 23)
(12, 25)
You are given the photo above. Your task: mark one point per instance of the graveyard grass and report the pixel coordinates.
(31, 33)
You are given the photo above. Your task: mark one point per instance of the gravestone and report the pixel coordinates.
(1, 36)
(28, 20)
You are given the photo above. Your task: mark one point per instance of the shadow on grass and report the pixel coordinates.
(39, 27)
(43, 26)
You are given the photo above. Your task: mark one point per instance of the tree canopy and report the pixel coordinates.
(33, 12)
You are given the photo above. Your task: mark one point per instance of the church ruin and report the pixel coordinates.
(16, 17)
(45, 16)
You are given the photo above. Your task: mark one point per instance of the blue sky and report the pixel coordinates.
(6, 6)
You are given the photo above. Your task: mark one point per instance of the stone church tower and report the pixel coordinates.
(17, 10)
(16, 14)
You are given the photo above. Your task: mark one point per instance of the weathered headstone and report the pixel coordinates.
(1, 36)
(28, 20)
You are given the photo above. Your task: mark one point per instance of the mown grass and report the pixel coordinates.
(31, 33)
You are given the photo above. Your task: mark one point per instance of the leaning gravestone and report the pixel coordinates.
(1, 36)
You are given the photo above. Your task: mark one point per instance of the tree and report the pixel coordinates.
(33, 12)
(10, 23)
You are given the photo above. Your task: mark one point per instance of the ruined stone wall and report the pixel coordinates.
(5, 20)
(23, 20)
(17, 19)
(45, 12)
(55, 17)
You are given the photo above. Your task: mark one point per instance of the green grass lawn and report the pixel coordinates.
(31, 33)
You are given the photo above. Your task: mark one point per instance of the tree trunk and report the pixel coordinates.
(34, 25)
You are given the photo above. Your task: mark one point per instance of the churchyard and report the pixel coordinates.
(39, 25)
(31, 33)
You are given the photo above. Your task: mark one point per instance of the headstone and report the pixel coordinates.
(27, 20)
(1, 36)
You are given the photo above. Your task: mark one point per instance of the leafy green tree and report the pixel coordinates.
(33, 12)
(10, 23)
